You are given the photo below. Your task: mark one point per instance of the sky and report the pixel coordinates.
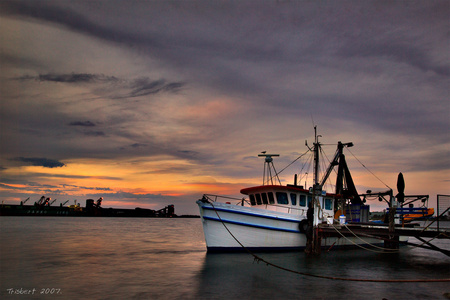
(150, 103)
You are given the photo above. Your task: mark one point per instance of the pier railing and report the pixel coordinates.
(443, 206)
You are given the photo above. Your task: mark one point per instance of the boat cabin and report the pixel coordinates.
(287, 199)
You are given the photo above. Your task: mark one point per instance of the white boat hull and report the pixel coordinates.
(259, 229)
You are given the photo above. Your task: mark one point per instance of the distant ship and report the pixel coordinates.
(43, 207)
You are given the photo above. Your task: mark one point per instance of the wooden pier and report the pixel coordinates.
(390, 236)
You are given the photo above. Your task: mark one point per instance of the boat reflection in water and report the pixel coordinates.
(237, 276)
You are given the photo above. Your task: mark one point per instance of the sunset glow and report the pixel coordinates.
(157, 103)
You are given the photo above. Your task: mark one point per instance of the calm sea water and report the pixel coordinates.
(128, 258)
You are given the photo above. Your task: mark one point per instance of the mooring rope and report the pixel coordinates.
(385, 250)
(260, 259)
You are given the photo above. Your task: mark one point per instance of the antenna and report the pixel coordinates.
(312, 120)
(268, 167)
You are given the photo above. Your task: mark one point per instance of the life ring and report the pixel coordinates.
(303, 226)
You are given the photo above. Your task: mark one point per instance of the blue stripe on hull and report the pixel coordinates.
(250, 214)
(253, 249)
(252, 225)
(283, 249)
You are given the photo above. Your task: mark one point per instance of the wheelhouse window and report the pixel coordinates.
(309, 200)
(264, 198)
(258, 199)
(328, 203)
(282, 198)
(294, 199)
(302, 200)
(252, 199)
(271, 199)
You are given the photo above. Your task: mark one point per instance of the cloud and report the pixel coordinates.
(42, 162)
(82, 123)
(94, 133)
(112, 86)
(137, 145)
(85, 187)
(75, 176)
(145, 86)
(10, 187)
(69, 18)
(75, 78)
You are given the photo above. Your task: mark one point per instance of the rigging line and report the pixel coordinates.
(308, 164)
(386, 250)
(368, 169)
(372, 245)
(258, 259)
(436, 219)
(360, 246)
(292, 163)
(412, 247)
(324, 166)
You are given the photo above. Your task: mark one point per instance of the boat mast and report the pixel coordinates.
(316, 157)
(313, 242)
(317, 187)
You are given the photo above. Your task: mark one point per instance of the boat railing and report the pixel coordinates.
(241, 201)
(289, 209)
(215, 198)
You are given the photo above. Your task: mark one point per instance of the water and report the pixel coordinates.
(114, 258)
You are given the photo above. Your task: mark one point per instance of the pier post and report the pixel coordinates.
(393, 242)
(317, 241)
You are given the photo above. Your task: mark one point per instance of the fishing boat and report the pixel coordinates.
(278, 217)
(417, 216)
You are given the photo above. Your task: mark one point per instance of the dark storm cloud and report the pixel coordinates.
(49, 12)
(230, 38)
(42, 162)
(243, 46)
